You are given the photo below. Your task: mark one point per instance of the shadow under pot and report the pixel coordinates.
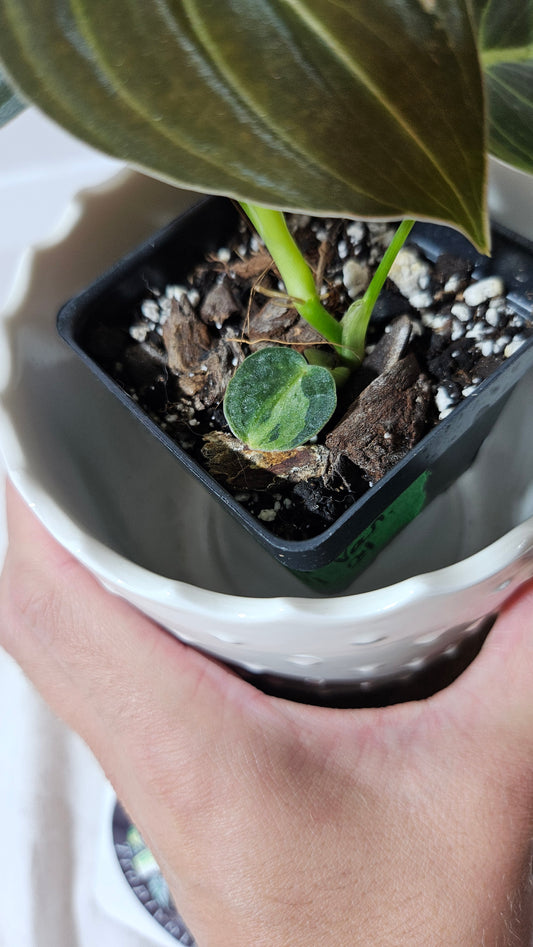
(450, 336)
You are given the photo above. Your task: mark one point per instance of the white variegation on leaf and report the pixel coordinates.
(277, 400)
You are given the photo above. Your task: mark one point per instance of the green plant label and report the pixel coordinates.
(361, 551)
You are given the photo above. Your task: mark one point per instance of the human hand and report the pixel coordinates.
(278, 823)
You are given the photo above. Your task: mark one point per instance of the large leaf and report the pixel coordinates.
(506, 39)
(10, 104)
(347, 107)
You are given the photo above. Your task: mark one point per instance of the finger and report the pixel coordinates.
(495, 693)
(189, 748)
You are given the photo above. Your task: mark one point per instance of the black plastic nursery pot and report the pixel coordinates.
(329, 561)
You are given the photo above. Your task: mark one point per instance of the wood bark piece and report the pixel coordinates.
(392, 346)
(186, 339)
(219, 304)
(203, 366)
(271, 321)
(388, 418)
(252, 267)
(247, 469)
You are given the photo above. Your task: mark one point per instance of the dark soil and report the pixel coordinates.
(435, 335)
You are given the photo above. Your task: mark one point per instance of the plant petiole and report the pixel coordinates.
(278, 398)
(356, 318)
(295, 273)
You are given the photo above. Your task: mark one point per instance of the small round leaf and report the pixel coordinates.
(276, 400)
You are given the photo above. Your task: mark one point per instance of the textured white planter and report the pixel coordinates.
(223, 593)
(511, 197)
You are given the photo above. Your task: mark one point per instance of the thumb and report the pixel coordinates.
(118, 679)
(496, 690)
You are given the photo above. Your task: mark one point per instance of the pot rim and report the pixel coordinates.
(512, 553)
(503, 564)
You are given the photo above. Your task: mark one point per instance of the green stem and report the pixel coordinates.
(386, 262)
(355, 320)
(295, 273)
(347, 336)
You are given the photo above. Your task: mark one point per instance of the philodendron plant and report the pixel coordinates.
(337, 107)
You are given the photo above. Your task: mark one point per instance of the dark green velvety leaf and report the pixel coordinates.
(506, 38)
(478, 8)
(10, 103)
(276, 400)
(333, 106)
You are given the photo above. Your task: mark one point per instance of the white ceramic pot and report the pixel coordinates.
(116, 501)
(511, 197)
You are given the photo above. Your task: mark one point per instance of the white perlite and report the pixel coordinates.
(453, 284)
(421, 300)
(193, 296)
(409, 272)
(492, 317)
(267, 515)
(342, 249)
(435, 322)
(462, 312)
(175, 292)
(486, 347)
(355, 277)
(513, 346)
(443, 401)
(478, 331)
(484, 290)
(150, 310)
(356, 231)
(501, 343)
(138, 332)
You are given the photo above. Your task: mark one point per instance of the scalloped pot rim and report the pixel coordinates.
(473, 587)
(71, 215)
(520, 173)
(125, 576)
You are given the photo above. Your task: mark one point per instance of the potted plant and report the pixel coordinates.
(308, 108)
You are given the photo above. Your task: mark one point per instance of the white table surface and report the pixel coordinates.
(58, 884)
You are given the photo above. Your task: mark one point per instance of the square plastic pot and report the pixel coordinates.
(329, 561)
